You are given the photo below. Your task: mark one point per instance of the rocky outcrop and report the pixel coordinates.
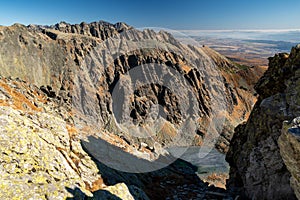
(289, 143)
(73, 60)
(256, 165)
(41, 154)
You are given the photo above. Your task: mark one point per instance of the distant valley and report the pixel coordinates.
(246, 47)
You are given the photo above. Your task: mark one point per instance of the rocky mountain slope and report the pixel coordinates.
(73, 60)
(42, 157)
(264, 152)
(60, 90)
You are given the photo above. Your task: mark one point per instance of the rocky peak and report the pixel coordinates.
(281, 67)
(101, 29)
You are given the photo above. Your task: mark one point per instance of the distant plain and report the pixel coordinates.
(247, 47)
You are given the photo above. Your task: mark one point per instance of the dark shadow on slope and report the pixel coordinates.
(177, 180)
(99, 195)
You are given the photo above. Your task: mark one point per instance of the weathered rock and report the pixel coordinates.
(289, 143)
(120, 191)
(256, 166)
(41, 154)
(40, 157)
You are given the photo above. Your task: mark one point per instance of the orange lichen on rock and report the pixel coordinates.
(71, 130)
(217, 179)
(41, 98)
(96, 185)
(3, 103)
(168, 129)
(19, 101)
(186, 68)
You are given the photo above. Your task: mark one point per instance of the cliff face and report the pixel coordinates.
(256, 161)
(84, 63)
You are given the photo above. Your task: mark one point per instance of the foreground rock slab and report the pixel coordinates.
(289, 143)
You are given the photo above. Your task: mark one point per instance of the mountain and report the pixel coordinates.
(71, 59)
(75, 95)
(264, 152)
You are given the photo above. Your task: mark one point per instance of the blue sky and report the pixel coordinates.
(185, 14)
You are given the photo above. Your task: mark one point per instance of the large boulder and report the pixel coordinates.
(289, 143)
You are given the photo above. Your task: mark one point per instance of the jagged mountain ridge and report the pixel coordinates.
(57, 52)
